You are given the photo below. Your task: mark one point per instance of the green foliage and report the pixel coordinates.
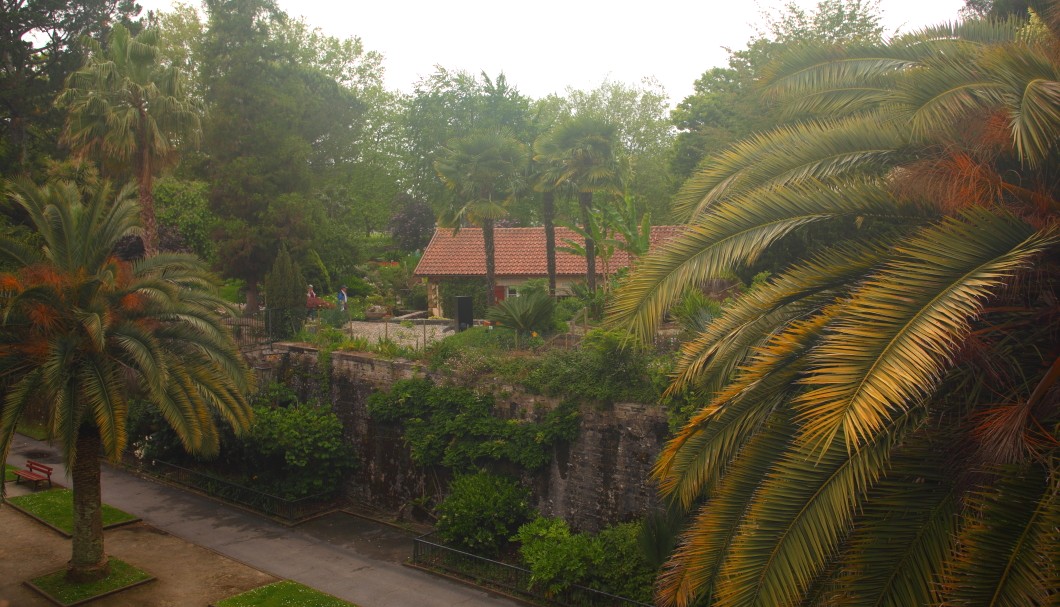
(525, 314)
(610, 561)
(294, 451)
(607, 368)
(695, 311)
(455, 427)
(184, 217)
(282, 593)
(482, 512)
(449, 289)
(314, 272)
(556, 557)
(357, 287)
(233, 290)
(285, 296)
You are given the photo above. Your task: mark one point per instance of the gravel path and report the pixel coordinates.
(412, 337)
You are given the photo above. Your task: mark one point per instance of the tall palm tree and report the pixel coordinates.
(580, 153)
(129, 109)
(485, 170)
(83, 331)
(880, 420)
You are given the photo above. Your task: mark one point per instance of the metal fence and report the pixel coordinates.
(266, 327)
(287, 510)
(510, 578)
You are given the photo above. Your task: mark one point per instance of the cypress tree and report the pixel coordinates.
(285, 291)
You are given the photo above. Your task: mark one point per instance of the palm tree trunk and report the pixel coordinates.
(548, 216)
(585, 201)
(491, 279)
(88, 562)
(147, 206)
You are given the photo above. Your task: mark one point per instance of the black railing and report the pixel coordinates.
(267, 326)
(287, 510)
(509, 578)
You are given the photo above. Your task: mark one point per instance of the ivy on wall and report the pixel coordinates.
(455, 427)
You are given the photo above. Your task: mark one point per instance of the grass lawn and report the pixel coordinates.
(56, 508)
(283, 593)
(122, 575)
(32, 430)
(9, 474)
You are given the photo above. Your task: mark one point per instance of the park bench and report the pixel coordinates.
(36, 472)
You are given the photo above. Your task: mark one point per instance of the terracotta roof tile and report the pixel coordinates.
(519, 252)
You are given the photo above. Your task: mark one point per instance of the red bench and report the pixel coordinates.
(36, 472)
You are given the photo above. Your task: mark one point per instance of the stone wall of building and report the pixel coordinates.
(600, 477)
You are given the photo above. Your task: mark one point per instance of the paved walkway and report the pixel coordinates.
(340, 554)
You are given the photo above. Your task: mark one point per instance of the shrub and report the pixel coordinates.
(610, 561)
(482, 512)
(525, 314)
(606, 368)
(297, 451)
(456, 428)
(555, 557)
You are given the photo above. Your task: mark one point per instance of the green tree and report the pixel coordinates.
(581, 155)
(879, 420)
(485, 169)
(84, 330)
(39, 44)
(276, 129)
(129, 109)
(643, 138)
(285, 293)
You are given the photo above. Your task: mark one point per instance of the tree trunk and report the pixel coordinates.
(585, 201)
(88, 562)
(491, 279)
(147, 206)
(251, 308)
(548, 216)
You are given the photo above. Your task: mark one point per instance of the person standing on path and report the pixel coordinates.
(342, 298)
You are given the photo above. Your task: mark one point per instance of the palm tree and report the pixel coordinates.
(130, 110)
(580, 154)
(880, 420)
(484, 169)
(83, 331)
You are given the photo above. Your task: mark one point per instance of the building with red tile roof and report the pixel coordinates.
(519, 256)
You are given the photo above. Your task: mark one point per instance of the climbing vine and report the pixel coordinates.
(456, 428)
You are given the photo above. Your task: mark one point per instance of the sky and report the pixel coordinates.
(548, 46)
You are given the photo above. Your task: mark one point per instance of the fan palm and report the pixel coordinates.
(484, 169)
(880, 420)
(130, 110)
(580, 154)
(82, 330)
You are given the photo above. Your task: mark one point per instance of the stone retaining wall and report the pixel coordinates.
(599, 478)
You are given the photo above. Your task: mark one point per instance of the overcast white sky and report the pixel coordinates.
(546, 46)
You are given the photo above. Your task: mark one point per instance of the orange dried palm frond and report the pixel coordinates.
(1009, 433)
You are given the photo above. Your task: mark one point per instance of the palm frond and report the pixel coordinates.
(821, 150)
(902, 326)
(803, 509)
(738, 230)
(901, 542)
(700, 453)
(711, 357)
(693, 570)
(1006, 555)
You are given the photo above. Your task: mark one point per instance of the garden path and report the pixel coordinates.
(343, 555)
